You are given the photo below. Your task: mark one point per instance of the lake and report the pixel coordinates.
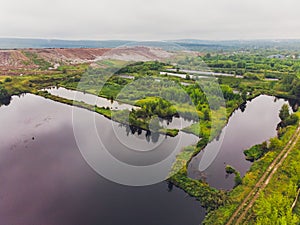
(88, 98)
(253, 125)
(174, 123)
(44, 178)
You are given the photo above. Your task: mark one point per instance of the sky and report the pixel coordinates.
(150, 19)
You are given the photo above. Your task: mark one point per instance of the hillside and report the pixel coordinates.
(23, 61)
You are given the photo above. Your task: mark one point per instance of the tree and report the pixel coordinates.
(296, 88)
(238, 179)
(241, 65)
(264, 146)
(284, 112)
(244, 95)
(111, 99)
(3, 93)
(275, 143)
(206, 115)
(208, 56)
(8, 79)
(291, 120)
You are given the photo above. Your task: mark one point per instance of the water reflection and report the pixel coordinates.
(294, 104)
(5, 101)
(149, 136)
(243, 106)
(174, 122)
(250, 125)
(45, 180)
(89, 98)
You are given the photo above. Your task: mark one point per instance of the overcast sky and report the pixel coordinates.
(150, 19)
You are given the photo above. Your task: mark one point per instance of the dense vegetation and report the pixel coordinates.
(3, 93)
(257, 65)
(256, 152)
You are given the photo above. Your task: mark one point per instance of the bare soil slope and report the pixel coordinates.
(23, 61)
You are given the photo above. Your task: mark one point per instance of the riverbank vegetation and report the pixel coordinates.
(256, 151)
(236, 196)
(162, 96)
(231, 170)
(210, 198)
(262, 64)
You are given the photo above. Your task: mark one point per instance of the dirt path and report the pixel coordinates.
(238, 216)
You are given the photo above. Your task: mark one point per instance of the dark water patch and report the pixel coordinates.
(45, 180)
(252, 124)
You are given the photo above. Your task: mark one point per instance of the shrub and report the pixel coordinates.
(8, 79)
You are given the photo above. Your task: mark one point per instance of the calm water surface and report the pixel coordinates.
(88, 98)
(256, 124)
(45, 180)
(175, 123)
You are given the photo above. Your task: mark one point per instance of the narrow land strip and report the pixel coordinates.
(238, 216)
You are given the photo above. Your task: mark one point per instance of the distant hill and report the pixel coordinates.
(211, 45)
(17, 43)
(24, 61)
(189, 44)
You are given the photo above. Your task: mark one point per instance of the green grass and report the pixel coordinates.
(41, 63)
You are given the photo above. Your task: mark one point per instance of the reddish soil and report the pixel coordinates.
(72, 55)
(21, 61)
(15, 59)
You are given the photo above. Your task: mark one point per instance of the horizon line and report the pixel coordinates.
(156, 40)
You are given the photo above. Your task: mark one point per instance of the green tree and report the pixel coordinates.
(208, 56)
(206, 115)
(284, 112)
(296, 88)
(8, 79)
(291, 120)
(244, 95)
(3, 93)
(275, 143)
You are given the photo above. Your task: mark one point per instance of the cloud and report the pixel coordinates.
(156, 19)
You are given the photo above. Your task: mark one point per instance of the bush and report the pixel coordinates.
(230, 170)
(256, 152)
(291, 120)
(238, 180)
(8, 79)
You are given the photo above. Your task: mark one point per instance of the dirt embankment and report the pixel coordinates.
(24, 61)
(30, 58)
(136, 53)
(14, 59)
(72, 56)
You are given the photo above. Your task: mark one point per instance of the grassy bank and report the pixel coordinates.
(236, 196)
(110, 114)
